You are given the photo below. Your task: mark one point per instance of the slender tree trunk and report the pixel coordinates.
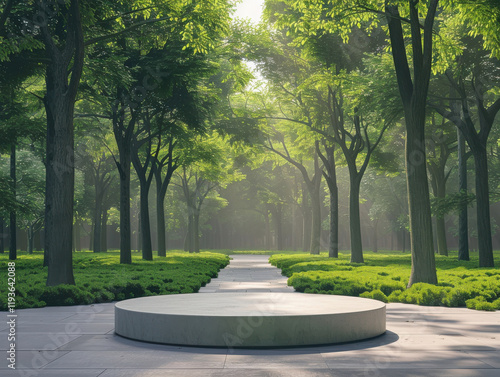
(160, 224)
(97, 216)
(306, 219)
(442, 245)
(355, 220)
(37, 241)
(375, 236)
(13, 221)
(125, 221)
(2, 236)
(463, 227)
(403, 237)
(188, 243)
(104, 231)
(333, 251)
(196, 231)
(139, 232)
(316, 221)
(483, 209)
(78, 241)
(331, 180)
(268, 231)
(147, 249)
(91, 237)
(30, 236)
(278, 226)
(439, 188)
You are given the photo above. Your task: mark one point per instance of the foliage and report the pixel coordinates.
(384, 277)
(100, 278)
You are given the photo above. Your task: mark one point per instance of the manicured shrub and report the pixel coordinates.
(65, 295)
(103, 279)
(376, 294)
(460, 282)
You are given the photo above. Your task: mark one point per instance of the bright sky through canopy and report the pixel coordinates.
(251, 9)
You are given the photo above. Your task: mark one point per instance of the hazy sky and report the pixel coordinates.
(250, 9)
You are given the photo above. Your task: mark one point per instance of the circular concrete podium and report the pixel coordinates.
(249, 319)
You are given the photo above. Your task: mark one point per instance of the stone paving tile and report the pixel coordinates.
(67, 328)
(140, 358)
(287, 372)
(118, 343)
(65, 373)
(27, 360)
(490, 358)
(269, 359)
(400, 359)
(26, 341)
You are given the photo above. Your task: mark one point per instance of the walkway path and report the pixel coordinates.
(248, 273)
(420, 341)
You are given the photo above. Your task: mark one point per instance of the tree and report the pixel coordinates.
(204, 167)
(340, 16)
(442, 144)
(98, 165)
(470, 92)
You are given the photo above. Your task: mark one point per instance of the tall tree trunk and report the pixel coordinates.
(268, 231)
(333, 250)
(403, 238)
(306, 220)
(375, 236)
(2, 236)
(30, 236)
(331, 180)
(78, 241)
(278, 226)
(413, 91)
(160, 224)
(316, 221)
(125, 221)
(13, 221)
(91, 237)
(147, 248)
(422, 246)
(355, 220)
(196, 231)
(188, 243)
(483, 209)
(439, 188)
(463, 227)
(60, 174)
(104, 231)
(97, 216)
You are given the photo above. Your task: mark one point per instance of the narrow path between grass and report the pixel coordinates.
(248, 273)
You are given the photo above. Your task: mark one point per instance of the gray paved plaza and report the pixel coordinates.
(420, 341)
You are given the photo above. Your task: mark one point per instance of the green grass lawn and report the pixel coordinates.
(384, 276)
(101, 278)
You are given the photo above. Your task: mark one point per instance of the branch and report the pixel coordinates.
(493, 109)
(399, 53)
(93, 116)
(126, 30)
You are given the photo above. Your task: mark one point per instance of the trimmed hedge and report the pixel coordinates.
(385, 276)
(100, 278)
